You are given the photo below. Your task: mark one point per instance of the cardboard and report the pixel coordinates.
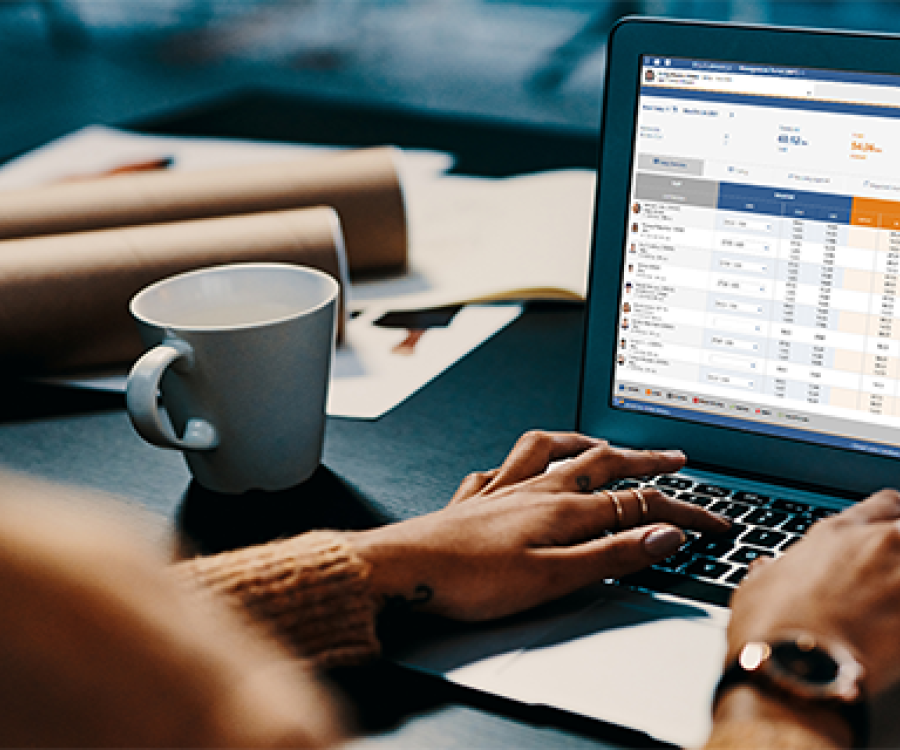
(363, 186)
(65, 297)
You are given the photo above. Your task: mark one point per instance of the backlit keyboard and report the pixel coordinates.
(709, 567)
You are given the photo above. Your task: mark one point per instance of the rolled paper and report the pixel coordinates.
(64, 298)
(363, 186)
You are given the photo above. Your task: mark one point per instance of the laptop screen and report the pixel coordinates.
(762, 252)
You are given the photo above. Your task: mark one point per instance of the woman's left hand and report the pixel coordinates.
(520, 535)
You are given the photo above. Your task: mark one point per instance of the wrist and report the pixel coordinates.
(393, 579)
(798, 678)
(748, 704)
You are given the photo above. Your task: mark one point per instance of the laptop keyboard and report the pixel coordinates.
(709, 567)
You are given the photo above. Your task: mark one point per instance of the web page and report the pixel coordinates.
(762, 255)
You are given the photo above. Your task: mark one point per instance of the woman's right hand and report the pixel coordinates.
(841, 582)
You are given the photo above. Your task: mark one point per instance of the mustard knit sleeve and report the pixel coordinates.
(310, 591)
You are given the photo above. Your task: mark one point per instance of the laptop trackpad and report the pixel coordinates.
(629, 659)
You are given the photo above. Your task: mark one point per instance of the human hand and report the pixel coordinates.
(519, 535)
(841, 582)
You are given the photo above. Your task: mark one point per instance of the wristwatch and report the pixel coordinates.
(808, 668)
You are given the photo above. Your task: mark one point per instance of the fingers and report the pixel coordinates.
(882, 506)
(604, 463)
(757, 566)
(533, 452)
(472, 485)
(580, 517)
(638, 507)
(614, 556)
(682, 514)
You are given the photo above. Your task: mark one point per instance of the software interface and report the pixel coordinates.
(762, 253)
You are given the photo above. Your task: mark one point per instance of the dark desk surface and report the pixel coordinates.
(406, 463)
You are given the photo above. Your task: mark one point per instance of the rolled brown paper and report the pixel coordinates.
(64, 299)
(363, 186)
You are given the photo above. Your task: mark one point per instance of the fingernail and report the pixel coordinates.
(675, 455)
(663, 541)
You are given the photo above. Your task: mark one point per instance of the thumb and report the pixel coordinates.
(635, 549)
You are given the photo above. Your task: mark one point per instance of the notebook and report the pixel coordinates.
(742, 307)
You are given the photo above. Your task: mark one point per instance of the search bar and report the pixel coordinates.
(888, 96)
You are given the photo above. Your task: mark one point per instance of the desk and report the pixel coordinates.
(406, 463)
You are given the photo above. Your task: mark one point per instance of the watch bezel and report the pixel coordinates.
(761, 657)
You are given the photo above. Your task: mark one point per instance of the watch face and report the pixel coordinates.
(814, 666)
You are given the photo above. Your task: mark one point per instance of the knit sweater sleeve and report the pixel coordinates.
(310, 591)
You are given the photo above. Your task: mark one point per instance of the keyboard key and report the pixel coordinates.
(736, 576)
(766, 517)
(674, 483)
(764, 538)
(734, 532)
(695, 499)
(746, 555)
(713, 490)
(791, 506)
(751, 498)
(820, 513)
(711, 546)
(706, 568)
(788, 542)
(673, 562)
(626, 484)
(729, 510)
(797, 524)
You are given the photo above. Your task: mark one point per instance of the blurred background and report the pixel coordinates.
(68, 63)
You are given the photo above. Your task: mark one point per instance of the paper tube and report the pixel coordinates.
(363, 186)
(64, 299)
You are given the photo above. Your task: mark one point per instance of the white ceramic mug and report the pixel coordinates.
(241, 355)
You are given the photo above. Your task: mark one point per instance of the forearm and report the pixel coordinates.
(311, 592)
(745, 718)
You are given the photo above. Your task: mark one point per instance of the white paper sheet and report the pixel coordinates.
(477, 239)
(370, 377)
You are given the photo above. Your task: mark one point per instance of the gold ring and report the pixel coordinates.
(645, 512)
(620, 514)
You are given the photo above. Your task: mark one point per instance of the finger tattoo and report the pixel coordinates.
(583, 482)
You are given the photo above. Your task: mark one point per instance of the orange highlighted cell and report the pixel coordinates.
(873, 212)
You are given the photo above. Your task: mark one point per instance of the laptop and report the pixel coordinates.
(743, 307)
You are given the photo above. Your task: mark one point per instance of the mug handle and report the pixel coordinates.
(140, 398)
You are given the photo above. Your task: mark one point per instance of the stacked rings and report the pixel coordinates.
(620, 514)
(645, 512)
